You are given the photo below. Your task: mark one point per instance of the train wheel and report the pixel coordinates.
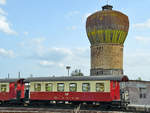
(76, 103)
(1, 103)
(89, 103)
(105, 106)
(26, 105)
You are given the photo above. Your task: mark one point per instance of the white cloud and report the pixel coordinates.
(5, 26)
(33, 42)
(137, 64)
(57, 57)
(6, 53)
(62, 50)
(143, 39)
(2, 12)
(37, 45)
(48, 64)
(39, 51)
(145, 24)
(52, 54)
(2, 2)
(60, 57)
(61, 65)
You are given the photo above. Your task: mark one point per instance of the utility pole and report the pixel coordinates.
(8, 75)
(68, 68)
(19, 75)
(31, 75)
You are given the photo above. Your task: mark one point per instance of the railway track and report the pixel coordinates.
(49, 110)
(31, 110)
(61, 108)
(58, 110)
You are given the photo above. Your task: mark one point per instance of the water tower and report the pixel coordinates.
(107, 31)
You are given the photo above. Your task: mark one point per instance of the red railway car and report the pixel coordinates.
(101, 89)
(11, 90)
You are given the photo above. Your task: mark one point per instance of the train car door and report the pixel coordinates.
(12, 90)
(27, 90)
(20, 89)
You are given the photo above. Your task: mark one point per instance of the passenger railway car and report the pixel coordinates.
(11, 90)
(102, 89)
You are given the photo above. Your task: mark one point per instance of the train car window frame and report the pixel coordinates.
(100, 87)
(37, 88)
(73, 88)
(86, 87)
(48, 88)
(3, 87)
(60, 88)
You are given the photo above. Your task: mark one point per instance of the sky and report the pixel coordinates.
(42, 37)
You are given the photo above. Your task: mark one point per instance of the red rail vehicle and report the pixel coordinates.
(104, 90)
(11, 90)
(88, 89)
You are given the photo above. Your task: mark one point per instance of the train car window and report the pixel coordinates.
(73, 87)
(37, 87)
(3, 88)
(49, 87)
(100, 87)
(85, 87)
(60, 87)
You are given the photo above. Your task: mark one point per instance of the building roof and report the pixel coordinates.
(141, 81)
(77, 78)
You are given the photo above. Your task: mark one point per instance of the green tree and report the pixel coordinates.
(139, 78)
(77, 72)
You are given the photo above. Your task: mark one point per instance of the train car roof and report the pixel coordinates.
(78, 78)
(9, 80)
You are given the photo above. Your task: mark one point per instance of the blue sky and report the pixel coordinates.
(41, 37)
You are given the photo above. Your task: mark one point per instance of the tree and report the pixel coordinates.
(77, 72)
(139, 78)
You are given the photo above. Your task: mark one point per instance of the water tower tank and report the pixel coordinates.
(107, 31)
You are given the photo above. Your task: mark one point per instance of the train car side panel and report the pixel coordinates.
(12, 92)
(71, 96)
(38, 91)
(115, 90)
(4, 96)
